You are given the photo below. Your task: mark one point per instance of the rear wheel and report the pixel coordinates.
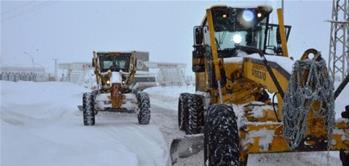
(144, 108)
(88, 109)
(195, 114)
(183, 111)
(221, 137)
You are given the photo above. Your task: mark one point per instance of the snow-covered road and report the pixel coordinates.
(41, 125)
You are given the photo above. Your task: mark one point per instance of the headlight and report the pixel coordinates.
(248, 15)
(237, 38)
(247, 18)
(108, 82)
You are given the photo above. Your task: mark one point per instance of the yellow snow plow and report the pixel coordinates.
(115, 75)
(251, 97)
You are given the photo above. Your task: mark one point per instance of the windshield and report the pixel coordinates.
(228, 39)
(239, 26)
(114, 62)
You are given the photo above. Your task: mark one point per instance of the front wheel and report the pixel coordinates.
(221, 144)
(144, 108)
(195, 114)
(88, 109)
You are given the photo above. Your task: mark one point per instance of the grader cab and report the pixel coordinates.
(251, 97)
(115, 75)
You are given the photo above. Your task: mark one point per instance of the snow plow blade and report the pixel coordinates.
(186, 146)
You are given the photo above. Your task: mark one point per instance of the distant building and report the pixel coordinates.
(165, 74)
(74, 72)
(169, 74)
(19, 73)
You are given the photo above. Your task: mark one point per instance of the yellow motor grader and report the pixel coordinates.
(251, 97)
(115, 75)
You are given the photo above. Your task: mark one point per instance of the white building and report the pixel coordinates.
(17, 73)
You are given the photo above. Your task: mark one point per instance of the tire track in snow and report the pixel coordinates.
(166, 120)
(142, 140)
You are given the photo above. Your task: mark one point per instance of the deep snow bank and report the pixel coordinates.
(41, 125)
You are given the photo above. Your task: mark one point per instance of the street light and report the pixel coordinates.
(31, 57)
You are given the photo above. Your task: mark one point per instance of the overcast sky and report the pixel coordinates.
(70, 31)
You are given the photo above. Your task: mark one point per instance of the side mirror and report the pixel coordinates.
(198, 35)
(198, 59)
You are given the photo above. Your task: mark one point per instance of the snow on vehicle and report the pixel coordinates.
(115, 76)
(238, 58)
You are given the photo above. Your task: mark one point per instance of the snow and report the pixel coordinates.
(265, 138)
(233, 60)
(284, 62)
(341, 132)
(167, 97)
(259, 111)
(41, 125)
(116, 77)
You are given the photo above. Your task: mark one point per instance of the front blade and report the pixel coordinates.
(186, 146)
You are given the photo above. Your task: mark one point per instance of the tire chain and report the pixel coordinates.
(298, 99)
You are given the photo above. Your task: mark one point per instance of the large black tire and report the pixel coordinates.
(183, 111)
(144, 108)
(195, 114)
(222, 147)
(88, 109)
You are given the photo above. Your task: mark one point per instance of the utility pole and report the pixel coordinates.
(338, 61)
(31, 57)
(56, 71)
